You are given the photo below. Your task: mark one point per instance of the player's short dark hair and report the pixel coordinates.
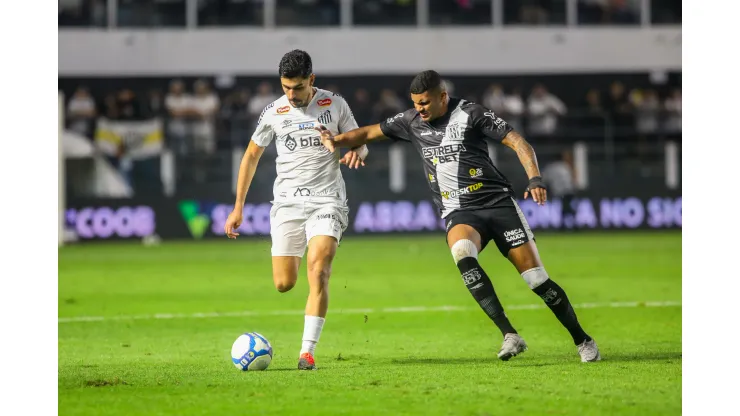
(296, 63)
(426, 81)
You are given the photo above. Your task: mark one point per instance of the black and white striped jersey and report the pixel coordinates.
(453, 148)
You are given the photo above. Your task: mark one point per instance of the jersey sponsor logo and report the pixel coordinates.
(325, 117)
(310, 192)
(471, 276)
(287, 122)
(303, 142)
(498, 121)
(284, 109)
(443, 154)
(431, 178)
(394, 118)
(475, 172)
(324, 102)
(515, 235)
(462, 191)
(305, 126)
(290, 143)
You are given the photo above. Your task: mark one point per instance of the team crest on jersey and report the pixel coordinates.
(284, 109)
(325, 117)
(324, 102)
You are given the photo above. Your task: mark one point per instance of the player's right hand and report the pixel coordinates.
(327, 139)
(232, 223)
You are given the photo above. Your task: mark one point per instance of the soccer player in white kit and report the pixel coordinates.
(310, 201)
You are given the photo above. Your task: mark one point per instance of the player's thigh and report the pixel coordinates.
(512, 235)
(285, 272)
(288, 230)
(466, 225)
(324, 229)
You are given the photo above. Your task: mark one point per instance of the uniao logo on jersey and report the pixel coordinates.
(323, 103)
(443, 154)
(462, 191)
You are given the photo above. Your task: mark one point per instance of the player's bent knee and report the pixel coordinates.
(535, 277)
(283, 286)
(462, 249)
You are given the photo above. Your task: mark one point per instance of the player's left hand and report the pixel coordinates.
(538, 190)
(327, 138)
(354, 158)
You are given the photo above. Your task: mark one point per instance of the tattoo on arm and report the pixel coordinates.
(525, 152)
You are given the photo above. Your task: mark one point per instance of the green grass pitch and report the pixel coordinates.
(161, 321)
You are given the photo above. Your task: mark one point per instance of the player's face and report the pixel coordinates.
(430, 104)
(298, 90)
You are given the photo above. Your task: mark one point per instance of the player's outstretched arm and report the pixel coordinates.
(246, 173)
(528, 159)
(353, 138)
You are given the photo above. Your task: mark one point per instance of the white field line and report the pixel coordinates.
(659, 304)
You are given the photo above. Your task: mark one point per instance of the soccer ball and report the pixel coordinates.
(251, 352)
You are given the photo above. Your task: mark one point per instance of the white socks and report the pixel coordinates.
(311, 333)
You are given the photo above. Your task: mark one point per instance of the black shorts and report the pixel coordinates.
(504, 223)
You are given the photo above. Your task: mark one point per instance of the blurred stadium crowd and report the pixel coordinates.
(143, 13)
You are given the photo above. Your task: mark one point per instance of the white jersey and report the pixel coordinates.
(306, 170)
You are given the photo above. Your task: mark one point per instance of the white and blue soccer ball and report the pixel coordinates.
(251, 352)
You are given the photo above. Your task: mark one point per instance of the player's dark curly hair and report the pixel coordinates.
(296, 63)
(426, 81)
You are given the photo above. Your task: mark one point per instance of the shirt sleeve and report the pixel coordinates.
(488, 123)
(346, 118)
(397, 127)
(264, 134)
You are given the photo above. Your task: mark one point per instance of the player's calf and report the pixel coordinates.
(465, 255)
(557, 300)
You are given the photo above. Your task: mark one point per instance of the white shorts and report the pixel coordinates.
(292, 225)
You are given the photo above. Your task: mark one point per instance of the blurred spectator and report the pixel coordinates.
(110, 107)
(647, 106)
(362, 108)
(128, 105)
(177, 104)
(560, 178)
(619, 107)
(622, 12)
(594, 119)
(592, 11)
(235, 116)
(494, 99)
(264, 96)
(673, 108)
(204, 106)
(534, 11)
(665, 11)
(514, 109)
(544, 109)
(81, 112)
(388, 105)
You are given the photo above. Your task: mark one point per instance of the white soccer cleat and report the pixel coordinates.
(513, 345)
(589, 352)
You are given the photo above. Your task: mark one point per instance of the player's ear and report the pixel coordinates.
(311, 80)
